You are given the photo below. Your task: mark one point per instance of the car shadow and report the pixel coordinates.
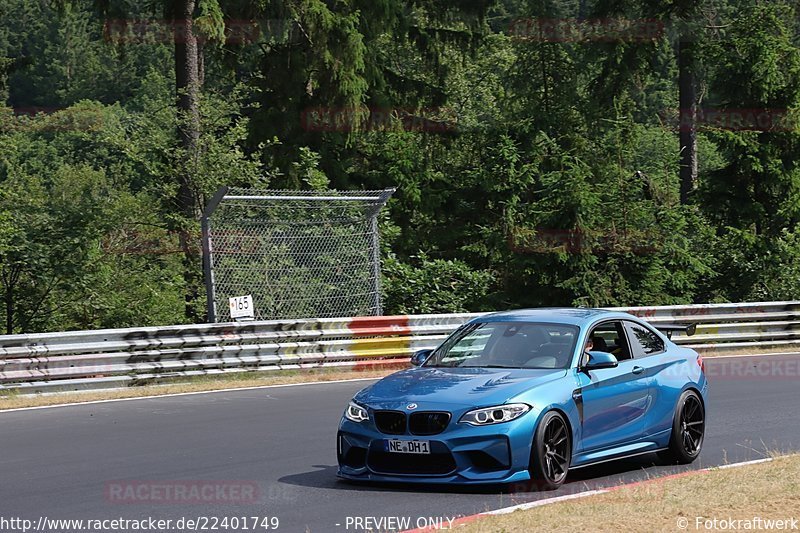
(602, 475)
(324, 477)
(622, 471)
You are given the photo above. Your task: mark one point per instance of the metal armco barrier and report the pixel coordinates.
(80, 360)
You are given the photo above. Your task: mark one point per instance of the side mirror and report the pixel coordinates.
(420, 357)
(598, 360)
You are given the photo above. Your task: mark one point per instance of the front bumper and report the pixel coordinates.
(462, 454)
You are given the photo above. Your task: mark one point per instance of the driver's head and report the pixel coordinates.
(589, 345)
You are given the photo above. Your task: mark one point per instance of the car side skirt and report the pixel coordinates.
(612, 455)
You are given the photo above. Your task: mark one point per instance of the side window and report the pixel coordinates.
(610, 337)
(643, 341)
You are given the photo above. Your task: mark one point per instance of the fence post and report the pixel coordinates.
(208, 258)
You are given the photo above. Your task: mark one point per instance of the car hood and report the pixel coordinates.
(451, 387)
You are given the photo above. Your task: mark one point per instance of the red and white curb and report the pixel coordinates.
(557, 499)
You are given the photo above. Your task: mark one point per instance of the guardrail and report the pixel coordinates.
(80, 360)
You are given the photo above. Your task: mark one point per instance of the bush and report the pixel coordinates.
(433, 286)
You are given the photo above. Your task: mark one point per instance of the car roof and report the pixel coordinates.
(559, 315)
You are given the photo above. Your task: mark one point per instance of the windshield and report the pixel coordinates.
(507, 345)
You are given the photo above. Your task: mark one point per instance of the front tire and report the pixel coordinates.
(551, 452)
(688, 430)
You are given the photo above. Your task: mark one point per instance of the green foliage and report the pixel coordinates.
(68, 252)
(61, 59)
(758, 186)
(434, 286)
(88, 232)
(210, 21)
(540, 171)
(756, 268)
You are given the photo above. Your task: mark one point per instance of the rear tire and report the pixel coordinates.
(688, 430)
(551, 452)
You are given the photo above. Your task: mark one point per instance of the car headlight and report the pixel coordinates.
(356, 413)
(495, 415)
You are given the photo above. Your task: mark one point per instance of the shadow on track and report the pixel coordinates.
(589, 478)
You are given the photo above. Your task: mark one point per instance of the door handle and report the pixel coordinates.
(637, 370)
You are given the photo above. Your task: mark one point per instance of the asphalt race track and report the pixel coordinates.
(61, 462)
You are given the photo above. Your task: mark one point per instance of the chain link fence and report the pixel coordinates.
(298, 253)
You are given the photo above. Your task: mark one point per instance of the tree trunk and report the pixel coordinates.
(688, 119)
(583, 9)
(9, 278)
(201, 64)
(187, 85)
(9, 310)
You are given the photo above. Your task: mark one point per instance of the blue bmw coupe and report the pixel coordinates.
(524, 396)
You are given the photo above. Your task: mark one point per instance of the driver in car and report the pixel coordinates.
(590, 345)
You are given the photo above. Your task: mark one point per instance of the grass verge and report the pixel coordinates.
(13, 400)
(769, 491)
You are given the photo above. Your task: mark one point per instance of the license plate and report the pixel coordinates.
(407, 446)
